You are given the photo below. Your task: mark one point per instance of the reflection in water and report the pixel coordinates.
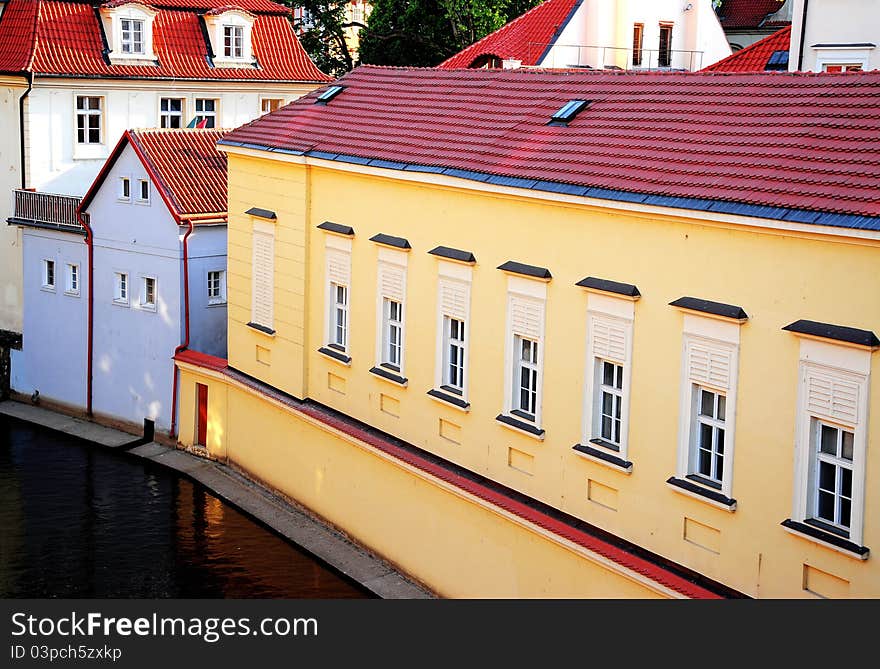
(78, 521)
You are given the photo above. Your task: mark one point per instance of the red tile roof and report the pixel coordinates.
(525, 38)
(185, 166)
(755, 56)
(735, 14)
(806, 141)
(57, 37)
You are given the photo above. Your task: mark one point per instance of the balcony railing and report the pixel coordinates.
(46, 210)
(616, 57)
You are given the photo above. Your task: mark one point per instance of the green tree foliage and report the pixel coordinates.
(423, 33)
(322, 33)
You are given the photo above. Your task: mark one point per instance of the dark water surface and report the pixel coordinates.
(80, 521)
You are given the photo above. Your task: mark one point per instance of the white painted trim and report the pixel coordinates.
(521, 288)
(730, 508)
(817, 540)
(462, 275)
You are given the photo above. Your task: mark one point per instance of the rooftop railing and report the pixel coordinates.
(615, 57)
(46, 209)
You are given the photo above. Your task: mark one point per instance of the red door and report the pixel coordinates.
(202, 420)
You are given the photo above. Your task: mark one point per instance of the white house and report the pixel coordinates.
(835, 35)
(74, 75)
(155, 221)
(604, 34)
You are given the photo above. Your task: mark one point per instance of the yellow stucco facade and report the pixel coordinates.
(462, 547)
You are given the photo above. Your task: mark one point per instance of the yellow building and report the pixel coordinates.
(561, 334)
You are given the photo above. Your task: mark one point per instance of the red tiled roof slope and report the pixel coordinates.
(190, 169)
(803, 141)
(67, 42)
(525, 38)
(747, 13)
(755, 56)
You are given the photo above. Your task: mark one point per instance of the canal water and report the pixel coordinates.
(80, 521)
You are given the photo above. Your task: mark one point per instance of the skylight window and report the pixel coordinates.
(568, 111)
(778, 61)
(328, 95)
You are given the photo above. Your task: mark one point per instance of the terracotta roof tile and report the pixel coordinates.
(526, 38)
(747, 13)
(805, 141)
(67, 42)
(754, 58)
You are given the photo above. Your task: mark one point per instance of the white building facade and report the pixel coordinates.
(835, 35)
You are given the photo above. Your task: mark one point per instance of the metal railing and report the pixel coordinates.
(46, 209)
(615, 57)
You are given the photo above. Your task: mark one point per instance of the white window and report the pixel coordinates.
(831, 437)
(149, 294)
(124, 188)
(270, 104)
(392, 289)
(49, 274)
(339, 317)
(216, 287)
(263, 281)
(143, 190)
(206, 110)
(453, 310)
(132, 35)
(525, 351)
(120, 288)
(710, 360)
(72, 280)
(171, 113)
(89, 115)
(233, 41)
(453, 355)
(338, 277)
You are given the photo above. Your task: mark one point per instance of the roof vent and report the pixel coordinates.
(568, 111)
(328, 95)
(778, 61)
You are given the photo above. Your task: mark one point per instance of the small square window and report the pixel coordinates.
(148, 300)
(120, 288)
(216, 287)
(49, 274)
(72, 280)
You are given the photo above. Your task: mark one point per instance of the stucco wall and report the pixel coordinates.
(206, 249)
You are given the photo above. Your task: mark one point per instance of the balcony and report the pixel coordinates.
(615, 57)
(46, 210)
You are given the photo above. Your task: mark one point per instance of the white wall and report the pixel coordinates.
(54, 337)
(836, 22)
(133, 346)
(609, 23)
(206, 249)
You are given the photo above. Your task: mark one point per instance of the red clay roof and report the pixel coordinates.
(755, 56)
(56, 37)
(797, 140)
(735, 14)
(184, 164)
(526, 38)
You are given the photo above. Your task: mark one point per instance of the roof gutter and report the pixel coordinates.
(30, 80)
(803, 35)
(173, 431)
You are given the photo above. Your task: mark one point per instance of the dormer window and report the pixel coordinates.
(230, 31)
(129, 30)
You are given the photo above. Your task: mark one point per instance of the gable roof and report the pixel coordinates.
(66, 38)
(791, 146)
(746, 14)
(754, 57)
(185, 166)
(526, 38)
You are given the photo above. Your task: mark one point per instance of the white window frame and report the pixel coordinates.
(391, 286)
(121, 279)
(87, 112)
(134, 29)
(124, 184)
(337, 272)
(44, 280)
(849, 369)
(524, 296)
(112, 19)
(139, 199)
(213, 114)
(842, 55)
(72, 279)
(217, 24)
(609, 339)
(144, 304)
(166, 115)
(263, 281)
(721, 338)
(453, 303)
(220, 296)
(270, 100)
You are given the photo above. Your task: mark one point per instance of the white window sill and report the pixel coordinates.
(515, 424)
(389, 376)
(147, 307)
(226, 61)
(141, 202)
(447, 399)
(71, 293)
(48, 289)
(701, 494)
(121, 303)
(339, 357)
(216, 303)
(856, 552)
(600, 457)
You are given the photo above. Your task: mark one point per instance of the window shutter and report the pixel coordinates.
(526, 316)
(832, 397)
(264, 261)
(391, 282)
(453, 299)
(338, 267)
(709, 365)
(609, 340)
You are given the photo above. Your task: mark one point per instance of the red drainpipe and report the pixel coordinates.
(172, 432)
(90, 243)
